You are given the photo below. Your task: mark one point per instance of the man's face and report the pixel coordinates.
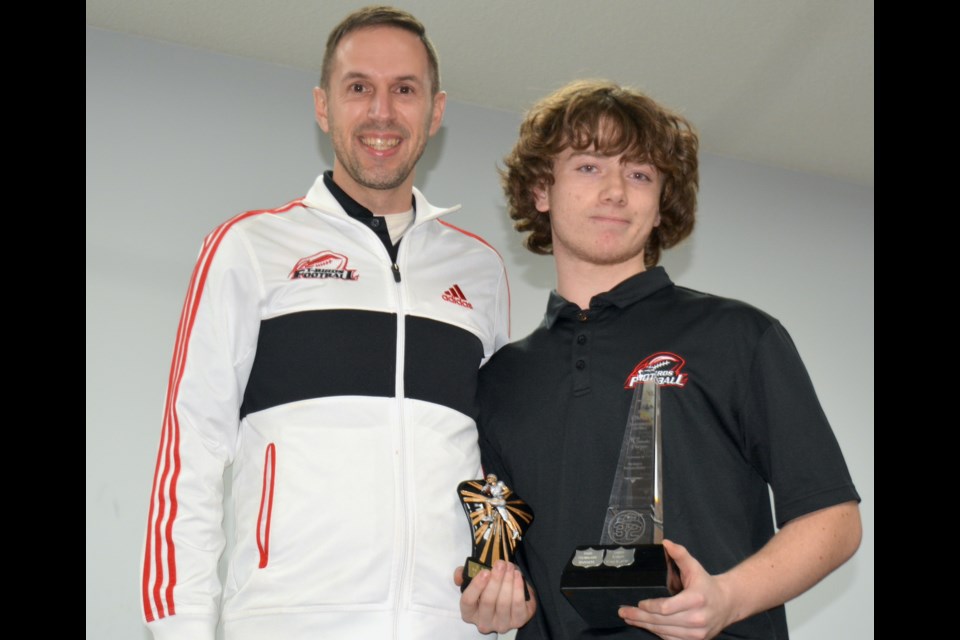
(602, 208)
(378, 109)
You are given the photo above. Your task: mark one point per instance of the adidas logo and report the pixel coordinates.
(455, 295)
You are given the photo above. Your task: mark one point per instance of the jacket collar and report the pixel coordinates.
(319, 197)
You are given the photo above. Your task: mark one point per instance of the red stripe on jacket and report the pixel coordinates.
(157, 601)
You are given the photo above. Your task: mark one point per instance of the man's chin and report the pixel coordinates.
(386, 184)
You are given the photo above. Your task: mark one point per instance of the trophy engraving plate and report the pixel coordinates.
(634, 564)
(620, 557)
(498, 518)
(588, 557)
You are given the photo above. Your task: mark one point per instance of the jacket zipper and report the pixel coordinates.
(406, 532)
(406, 537)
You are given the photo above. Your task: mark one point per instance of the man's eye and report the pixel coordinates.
(587, 168)
(356, 87)
(405, 89)
(642, 177)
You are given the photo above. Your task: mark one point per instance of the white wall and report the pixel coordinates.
(179, 140)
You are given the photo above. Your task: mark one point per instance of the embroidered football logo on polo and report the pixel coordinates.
(455, 295)
(664, 367)
(325, 264)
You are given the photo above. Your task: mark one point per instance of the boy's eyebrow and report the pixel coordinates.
(589, 153)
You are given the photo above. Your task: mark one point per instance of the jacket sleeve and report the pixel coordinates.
(503, 308)
(501, 313)
(215, 345)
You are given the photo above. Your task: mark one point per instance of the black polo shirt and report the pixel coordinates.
(739, 414)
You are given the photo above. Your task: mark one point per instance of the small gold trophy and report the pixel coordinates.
(498, 519)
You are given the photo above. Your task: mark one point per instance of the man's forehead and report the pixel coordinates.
(382, 50)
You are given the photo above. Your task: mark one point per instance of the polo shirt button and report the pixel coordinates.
(375, 223)
(580, 364)
(582, 316)
(581, 339)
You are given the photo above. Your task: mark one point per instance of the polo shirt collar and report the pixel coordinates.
(353, 208)
(631, 290)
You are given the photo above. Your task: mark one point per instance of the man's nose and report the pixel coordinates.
(381, 106)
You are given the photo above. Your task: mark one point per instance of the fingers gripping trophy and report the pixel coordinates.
(498, 519)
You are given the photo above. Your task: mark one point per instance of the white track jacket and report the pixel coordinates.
(340, 387)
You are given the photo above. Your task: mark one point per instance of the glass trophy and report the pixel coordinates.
(498, 519)
(629, 564)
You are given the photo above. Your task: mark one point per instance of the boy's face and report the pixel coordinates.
(602, 208)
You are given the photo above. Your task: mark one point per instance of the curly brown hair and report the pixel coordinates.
(612, 120)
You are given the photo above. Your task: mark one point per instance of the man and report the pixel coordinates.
(328, 350)
(604, 178)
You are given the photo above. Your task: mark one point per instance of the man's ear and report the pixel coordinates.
(320, 108)
(439, 105)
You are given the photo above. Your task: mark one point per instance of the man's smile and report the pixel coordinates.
(380, 143)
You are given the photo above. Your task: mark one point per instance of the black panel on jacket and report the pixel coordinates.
(441, 364)
(317, 354)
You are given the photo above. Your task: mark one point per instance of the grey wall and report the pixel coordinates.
(179, 140)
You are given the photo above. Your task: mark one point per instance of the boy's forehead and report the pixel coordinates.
(608, 137)
(635, 156)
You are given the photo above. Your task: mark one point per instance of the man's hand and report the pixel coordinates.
(495, 600)
(701, 610)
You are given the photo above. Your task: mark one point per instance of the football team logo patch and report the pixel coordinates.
(455, 295)
(664, 367)
(325, 264)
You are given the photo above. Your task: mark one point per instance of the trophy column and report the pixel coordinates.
(635, 514)
(630, 563)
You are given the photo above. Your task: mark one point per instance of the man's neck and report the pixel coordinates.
(380, 202)
(578, 282)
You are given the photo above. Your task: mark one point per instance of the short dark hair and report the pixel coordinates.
(380, 16)
(612, 120)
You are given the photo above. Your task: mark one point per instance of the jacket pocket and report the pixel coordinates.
(266, 504)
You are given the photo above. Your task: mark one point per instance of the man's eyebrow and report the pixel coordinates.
(355, 75)
(350, 76)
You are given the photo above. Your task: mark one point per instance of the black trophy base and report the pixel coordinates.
(471, 567)
(599, 579)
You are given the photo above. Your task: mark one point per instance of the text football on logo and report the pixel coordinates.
(664, 368)
(455, 295)
(325, 264)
